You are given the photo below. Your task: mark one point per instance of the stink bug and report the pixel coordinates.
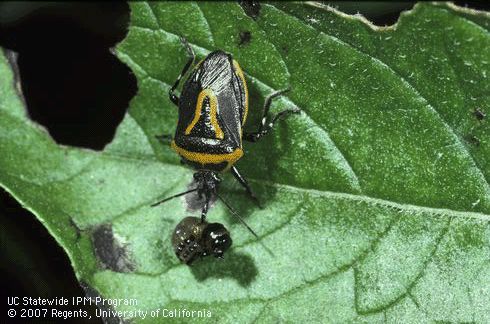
(213, 108)
(194, 238)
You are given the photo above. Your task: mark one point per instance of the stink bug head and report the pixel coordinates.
(207, 182)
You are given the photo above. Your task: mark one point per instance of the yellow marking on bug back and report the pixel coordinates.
(213, 102)
(198, 63)
(208, 158)
(242, 77)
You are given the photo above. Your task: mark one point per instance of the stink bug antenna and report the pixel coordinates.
(172, 197)
(237, 216)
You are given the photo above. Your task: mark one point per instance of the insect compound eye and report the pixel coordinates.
(217, 239)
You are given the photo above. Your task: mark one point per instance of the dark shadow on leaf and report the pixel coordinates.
(235, 265)
(260, 161)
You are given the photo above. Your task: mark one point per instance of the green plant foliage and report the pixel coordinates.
(377, 201)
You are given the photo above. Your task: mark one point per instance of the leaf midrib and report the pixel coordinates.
(363, 197)
(367, 199)
(409, 85)
(348, 167)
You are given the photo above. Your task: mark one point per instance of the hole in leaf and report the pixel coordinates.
(251, 8)
(31, 262)
(478, 5)
(380, 13)
(385, 13)
(72, 84)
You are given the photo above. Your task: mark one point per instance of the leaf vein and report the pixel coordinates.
(353, 178)
(410, 86)
(417, 278)
(206, 22)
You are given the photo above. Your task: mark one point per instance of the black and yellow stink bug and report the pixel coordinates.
(213, 108)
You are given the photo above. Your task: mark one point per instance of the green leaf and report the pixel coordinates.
(377, 201)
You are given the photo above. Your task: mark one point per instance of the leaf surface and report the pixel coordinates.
(377, 202)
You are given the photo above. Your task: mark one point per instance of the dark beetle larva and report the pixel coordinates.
(194, 239)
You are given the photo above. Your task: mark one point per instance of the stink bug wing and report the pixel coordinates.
(211, 114)
(241, 91)
(187, 102)
(217, 73)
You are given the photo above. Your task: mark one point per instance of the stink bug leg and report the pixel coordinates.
(213, 107)
(164, 138)
(190, 62)
(245, 184)
(265, 127)
(167, 138)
